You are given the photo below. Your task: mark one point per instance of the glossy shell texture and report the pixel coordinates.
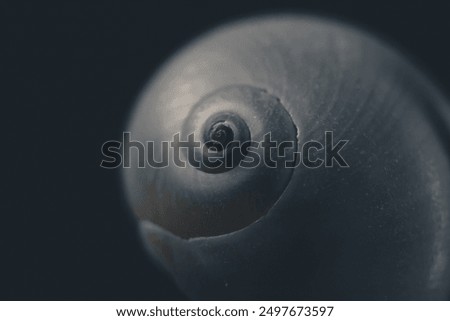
(378, 229)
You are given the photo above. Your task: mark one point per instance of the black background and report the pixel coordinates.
(72, 71)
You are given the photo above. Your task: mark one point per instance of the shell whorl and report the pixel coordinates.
(358, 233)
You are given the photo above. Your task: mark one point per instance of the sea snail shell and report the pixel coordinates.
(378, 229)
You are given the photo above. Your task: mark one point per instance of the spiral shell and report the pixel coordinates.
(378, 229)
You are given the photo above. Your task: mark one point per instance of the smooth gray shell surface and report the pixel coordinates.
(378, 229)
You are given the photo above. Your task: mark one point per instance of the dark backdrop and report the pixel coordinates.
(72, 71)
